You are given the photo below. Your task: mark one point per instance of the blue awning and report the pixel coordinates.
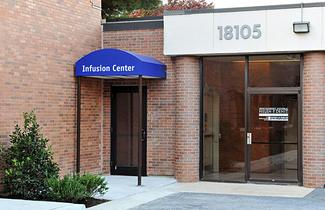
(116, 63)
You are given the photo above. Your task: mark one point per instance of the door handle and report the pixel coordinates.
(249, 138)
(143, 135)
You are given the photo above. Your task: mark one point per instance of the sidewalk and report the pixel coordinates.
(124, 192)
(126, 186)
(17, 204)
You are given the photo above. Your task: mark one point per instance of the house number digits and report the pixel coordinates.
(239, 32)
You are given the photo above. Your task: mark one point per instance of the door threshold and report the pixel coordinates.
(223, 181)
(278, 182)
(266, 182)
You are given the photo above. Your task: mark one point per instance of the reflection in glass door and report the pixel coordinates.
(223, 140)
(273, 124)
(212, 131)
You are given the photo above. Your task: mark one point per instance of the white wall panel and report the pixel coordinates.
(280, 36)
(188, 33)
(198, 34)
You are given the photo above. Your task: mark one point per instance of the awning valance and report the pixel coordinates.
(116, 63)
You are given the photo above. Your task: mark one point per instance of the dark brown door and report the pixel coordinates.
(273, 137)
(125, 118)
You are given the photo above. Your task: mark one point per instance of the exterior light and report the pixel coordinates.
(301, 27)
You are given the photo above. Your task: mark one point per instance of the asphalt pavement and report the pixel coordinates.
(207, 201)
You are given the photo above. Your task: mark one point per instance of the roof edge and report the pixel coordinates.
(134, 24)
(133, 19)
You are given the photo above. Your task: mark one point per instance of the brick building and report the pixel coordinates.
(243, 100)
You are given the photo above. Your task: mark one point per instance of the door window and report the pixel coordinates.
(127, 129)
(274, 71)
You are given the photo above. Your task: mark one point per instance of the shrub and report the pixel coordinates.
(67, 189)
(28, 161)
(94, 184)
(75, 188)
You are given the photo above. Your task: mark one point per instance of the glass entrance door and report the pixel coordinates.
(125, 118)
(258, 96)
(272, 137)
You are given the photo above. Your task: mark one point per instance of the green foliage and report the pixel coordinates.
(76, 188)
(28, 161)
(68, 189)
(121, 8)
(2, 151)
(94, 184)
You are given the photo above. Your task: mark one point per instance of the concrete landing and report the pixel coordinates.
(242, 189)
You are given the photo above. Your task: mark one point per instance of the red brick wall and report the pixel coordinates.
(106, 128)
(160, 99)
(314, 119)
(91, 125)
(187, 119)
(40, 41)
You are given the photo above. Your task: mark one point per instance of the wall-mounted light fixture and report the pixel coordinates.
(302, 26)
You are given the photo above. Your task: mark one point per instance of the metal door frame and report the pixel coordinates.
(257, 90)
(273, 90)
